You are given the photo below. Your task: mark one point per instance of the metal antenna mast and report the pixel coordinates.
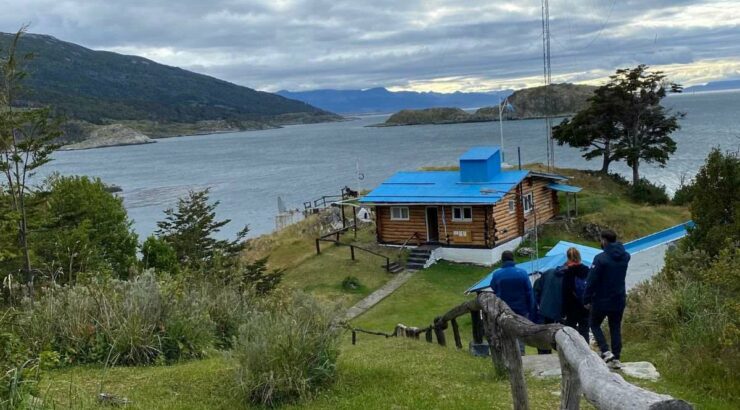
(548, 81)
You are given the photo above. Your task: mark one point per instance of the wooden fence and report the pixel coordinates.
(584, 373)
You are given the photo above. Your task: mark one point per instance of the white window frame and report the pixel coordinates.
(512, 206)
(528, 209)
(401, 210)
(462, 217)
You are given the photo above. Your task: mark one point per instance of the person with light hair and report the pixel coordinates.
(574, 286)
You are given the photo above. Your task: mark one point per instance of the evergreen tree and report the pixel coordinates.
(189, 230)
(715, 206)
(625, 121)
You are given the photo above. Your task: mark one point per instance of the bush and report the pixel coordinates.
(351, 283)
(286, 353)
(647, 192)
(159, 255)
(690, 312)
(142, 321)
(683, 195)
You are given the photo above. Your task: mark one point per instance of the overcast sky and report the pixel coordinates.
(465, 45)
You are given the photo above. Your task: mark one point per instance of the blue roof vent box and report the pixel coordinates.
(480, 164)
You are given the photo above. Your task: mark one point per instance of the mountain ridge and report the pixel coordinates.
(103, 87)
(381, 100)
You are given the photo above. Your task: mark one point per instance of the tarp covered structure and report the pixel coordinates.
(556, 256)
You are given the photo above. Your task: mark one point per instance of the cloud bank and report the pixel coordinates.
(404, 45)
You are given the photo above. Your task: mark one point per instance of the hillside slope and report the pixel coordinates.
(102, 87)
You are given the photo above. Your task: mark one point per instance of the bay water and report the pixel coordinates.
(247, 171)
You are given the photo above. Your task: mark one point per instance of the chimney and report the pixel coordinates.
(480, 164)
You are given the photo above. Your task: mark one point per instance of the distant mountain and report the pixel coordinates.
(564, 99)
(380, 100)
(714, 86)
(101, 87)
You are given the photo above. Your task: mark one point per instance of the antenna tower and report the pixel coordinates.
(548, 80)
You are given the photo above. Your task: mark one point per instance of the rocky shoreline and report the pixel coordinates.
(110, 136)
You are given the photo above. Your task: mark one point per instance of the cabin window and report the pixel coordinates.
(528, 202)
(512, 206)
(462, 213)
(399, 213)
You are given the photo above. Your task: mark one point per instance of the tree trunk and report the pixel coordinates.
(635, 173)
(607, 159)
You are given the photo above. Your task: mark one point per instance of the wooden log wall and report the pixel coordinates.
(545, 201)
(506, 222)
(397, 232)
(475, 228)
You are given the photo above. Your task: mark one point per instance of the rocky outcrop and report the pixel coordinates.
(110, 136)
(428, 116)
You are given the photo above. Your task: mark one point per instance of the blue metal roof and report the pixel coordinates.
(564, 188)
(556, 256)
(479, 153)
(443, 187)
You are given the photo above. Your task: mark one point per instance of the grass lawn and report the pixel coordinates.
(376, 373)
(294, 250)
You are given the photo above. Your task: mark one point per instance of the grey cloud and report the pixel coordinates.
(351, 44)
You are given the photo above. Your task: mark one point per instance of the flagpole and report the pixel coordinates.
(501, 125)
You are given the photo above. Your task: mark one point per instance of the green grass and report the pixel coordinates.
(376, 373)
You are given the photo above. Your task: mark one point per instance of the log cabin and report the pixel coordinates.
(470, 215)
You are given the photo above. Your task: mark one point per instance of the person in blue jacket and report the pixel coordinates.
(606, 296)
(512, 285)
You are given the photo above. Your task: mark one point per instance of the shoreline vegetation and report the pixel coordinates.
(133, 132)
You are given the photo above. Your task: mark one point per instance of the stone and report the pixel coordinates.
(542, 366)
(641, 370)
(525, 251)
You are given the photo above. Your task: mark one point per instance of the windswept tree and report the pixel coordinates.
(591, 130)
(26, 143)
(626, 121)
(189, 229)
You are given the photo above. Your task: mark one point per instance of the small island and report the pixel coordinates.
(564, 100)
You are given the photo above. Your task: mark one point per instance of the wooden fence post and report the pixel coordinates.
(354, 337)
(318, 247)
(440, 333)
(456, 334)
(478, 330)
(428, 335)
(570, 386)
(352, 251)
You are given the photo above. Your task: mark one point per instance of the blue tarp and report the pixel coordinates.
(556, 256)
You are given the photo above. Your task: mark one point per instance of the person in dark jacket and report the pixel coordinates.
(606, 295)
(576, 315)
(548, 293)
(512, 285)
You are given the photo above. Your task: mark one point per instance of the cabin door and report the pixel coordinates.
(432, 225)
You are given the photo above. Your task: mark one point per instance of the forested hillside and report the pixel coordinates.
(101, 87)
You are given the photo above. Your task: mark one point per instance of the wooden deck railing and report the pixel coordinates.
(336, 234)
(583, 371)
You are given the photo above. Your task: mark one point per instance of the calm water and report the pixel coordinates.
(247, 171)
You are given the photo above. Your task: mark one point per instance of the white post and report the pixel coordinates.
(501, 126)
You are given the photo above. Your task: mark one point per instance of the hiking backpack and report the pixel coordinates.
(580, 288)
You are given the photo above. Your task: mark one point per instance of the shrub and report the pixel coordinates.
(351, 283)
(683, 195)
(159, 255)
(135, 322)
(647, 192)
(286, 353)
(690, 312)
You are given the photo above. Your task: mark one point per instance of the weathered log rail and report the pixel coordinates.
(583, 371)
